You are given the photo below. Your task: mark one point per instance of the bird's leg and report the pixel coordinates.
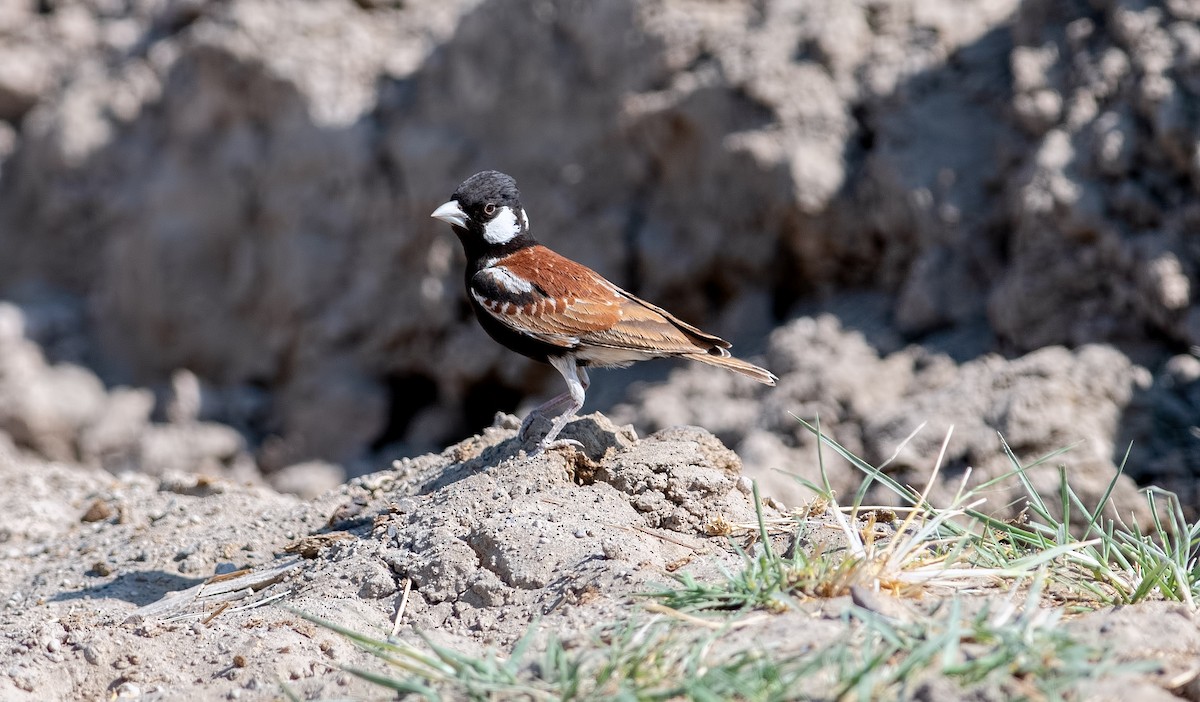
(553, 406)
(575, 377)
(548, 408)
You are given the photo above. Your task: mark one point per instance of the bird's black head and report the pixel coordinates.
(486, 213)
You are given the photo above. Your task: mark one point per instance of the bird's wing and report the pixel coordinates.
(551, 298)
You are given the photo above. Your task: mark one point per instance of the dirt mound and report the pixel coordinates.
(486, 538)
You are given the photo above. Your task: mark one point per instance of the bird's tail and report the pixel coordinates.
(736, 365)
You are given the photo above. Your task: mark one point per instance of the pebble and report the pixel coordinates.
(580, 533)
(91, 654)
(612, 550)
(98, 512)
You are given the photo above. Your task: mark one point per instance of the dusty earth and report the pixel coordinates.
(483, 538)
(221, 298)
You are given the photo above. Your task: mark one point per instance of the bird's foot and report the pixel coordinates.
(556, 444)
(551, 440)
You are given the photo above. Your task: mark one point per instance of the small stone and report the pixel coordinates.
(612, 550)
(98, 512)
(91, 654)
(580, 533)
(377, 582)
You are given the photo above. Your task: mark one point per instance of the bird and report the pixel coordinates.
(543, 305)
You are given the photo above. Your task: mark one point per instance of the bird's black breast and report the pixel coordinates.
(503, 334)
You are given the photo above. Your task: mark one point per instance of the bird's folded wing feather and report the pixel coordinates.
(549, 297)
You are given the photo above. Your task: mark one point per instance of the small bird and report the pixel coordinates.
(554, 310)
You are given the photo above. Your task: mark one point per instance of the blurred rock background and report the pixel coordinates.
(216, 255)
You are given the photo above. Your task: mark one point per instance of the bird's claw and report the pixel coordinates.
(556, 444)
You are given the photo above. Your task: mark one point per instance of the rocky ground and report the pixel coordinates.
(221, 297)
(110, 591)
(486, 539)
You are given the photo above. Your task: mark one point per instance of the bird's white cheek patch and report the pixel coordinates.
(503, 227)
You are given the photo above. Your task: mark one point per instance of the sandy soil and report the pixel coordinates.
(109, 590)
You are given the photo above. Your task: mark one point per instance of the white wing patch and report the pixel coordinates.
(503, 228)
(508, 280)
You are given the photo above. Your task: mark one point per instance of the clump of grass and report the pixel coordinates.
(1113, 563)
(928, 549)
(1108, 563)
(1096, 559)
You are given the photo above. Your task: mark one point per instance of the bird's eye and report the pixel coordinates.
(489, 209)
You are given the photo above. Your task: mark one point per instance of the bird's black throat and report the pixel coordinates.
(481, 252)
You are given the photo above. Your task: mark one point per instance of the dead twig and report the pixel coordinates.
(216, 613)
(401, 607)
